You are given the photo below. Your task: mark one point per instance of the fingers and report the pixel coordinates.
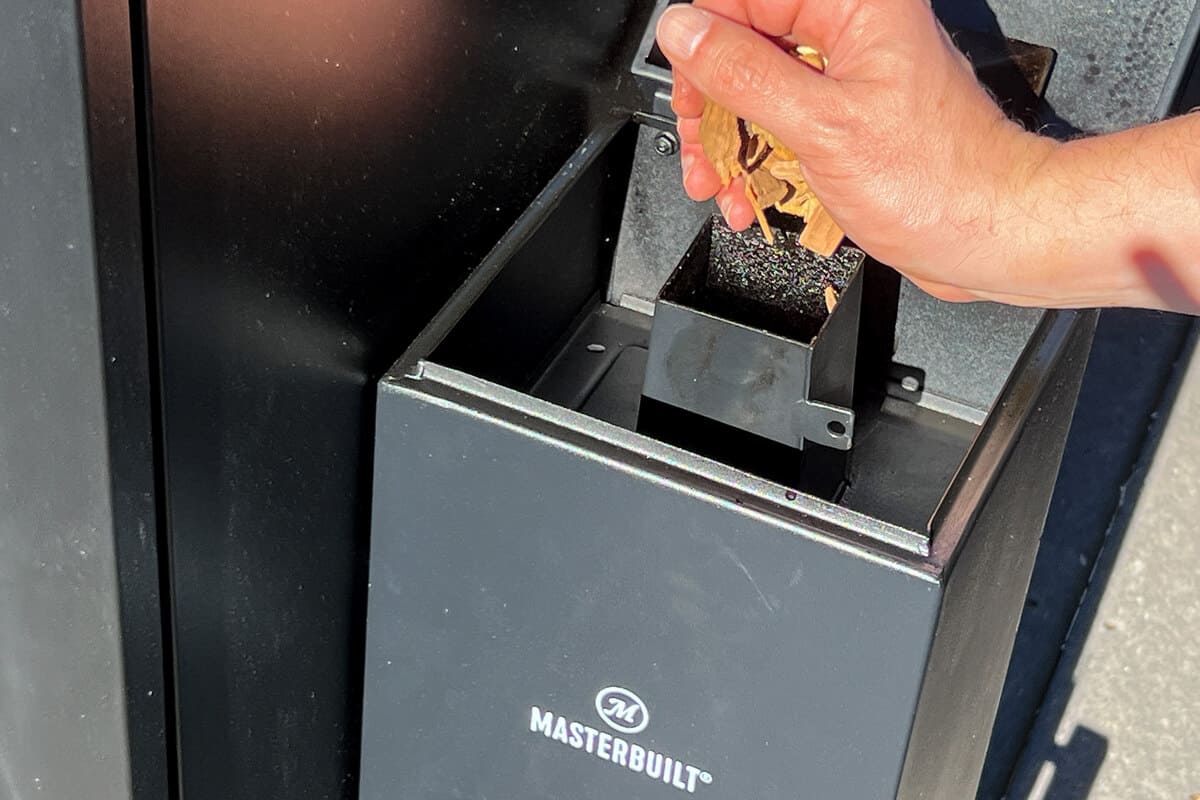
(735, 10)
(689, 129)
(776, 17)
(700, 180)
(816, 23)
(735, 207)
(740, 70)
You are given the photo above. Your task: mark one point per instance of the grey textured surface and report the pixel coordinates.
(785, 276)
(657, 226)
(1113, 56)
(62, 720)
(966, 350)
(1125, 722)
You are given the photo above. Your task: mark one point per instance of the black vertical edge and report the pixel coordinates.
(117, 108)
(989, 566)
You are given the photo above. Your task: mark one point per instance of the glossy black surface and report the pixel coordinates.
(324, 175)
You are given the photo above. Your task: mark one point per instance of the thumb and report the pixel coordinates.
(746, 73)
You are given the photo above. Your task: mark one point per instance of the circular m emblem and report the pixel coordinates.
(622, 710)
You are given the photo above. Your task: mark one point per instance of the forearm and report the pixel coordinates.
(1107, 221)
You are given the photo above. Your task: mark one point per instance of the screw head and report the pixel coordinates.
(666, 144)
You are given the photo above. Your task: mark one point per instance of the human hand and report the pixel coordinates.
(904, 148)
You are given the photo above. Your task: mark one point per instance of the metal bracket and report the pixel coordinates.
(780, 372)
(657, 79)
(824, 424)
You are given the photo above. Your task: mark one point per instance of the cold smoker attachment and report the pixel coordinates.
(742, 336)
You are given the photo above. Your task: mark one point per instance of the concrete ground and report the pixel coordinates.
(1103, 697)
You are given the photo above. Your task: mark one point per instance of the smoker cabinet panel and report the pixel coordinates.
(532, 561)
(510, 570)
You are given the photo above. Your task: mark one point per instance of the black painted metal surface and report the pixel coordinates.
(112, 96)
(991, 567)
(419, 742)
(302, 243)
(778, 367)
(324, 175)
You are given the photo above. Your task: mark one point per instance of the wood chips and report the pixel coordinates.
(738, 148)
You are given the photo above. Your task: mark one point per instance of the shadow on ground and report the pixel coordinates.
(1070, 770)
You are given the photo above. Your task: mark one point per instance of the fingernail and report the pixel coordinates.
(680, 30)
(687, 161)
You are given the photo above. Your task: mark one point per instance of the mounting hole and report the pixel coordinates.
(596, 348)
(836, 428)
(910, 384)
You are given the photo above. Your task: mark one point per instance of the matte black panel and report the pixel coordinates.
(509, 571)
(905, 457)
(324, 175)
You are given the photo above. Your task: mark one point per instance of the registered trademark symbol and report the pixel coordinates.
(705, 778)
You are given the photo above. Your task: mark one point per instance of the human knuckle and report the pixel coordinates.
(833, 125)
(742, 69)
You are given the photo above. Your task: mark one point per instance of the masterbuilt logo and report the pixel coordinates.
(624, 712)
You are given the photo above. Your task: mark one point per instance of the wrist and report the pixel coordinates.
(1020, 230)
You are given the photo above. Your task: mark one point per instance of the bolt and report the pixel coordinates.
(666, 144)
